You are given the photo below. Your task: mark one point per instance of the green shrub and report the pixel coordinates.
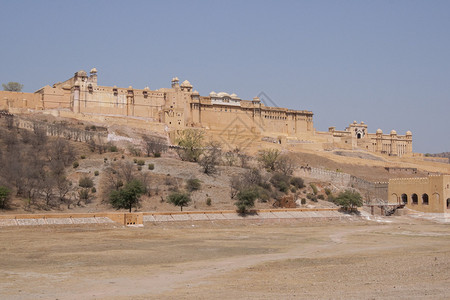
(321, 197)
(293, 189)
(140, 162)
(193, 184)
(86, 182)
(314, 188)
(83, 156)
(266, 186)
(246, 199)
(297, 182)
(75, 164)
(128, 196)
(139, 168)
(113, 148)
(268, 158)
(96, 173)
(135, 160)
(157, 154)
(94, 190)
(263, 194)
(303, 201)
(311, 197)
(281, 182)
(208, 201)
(179, 199)
(327, 191)
(4, 197)
(349, 200)
(151, 166)
(331, 198)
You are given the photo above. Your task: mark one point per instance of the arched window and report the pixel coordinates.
(414, 199)
(425, 199)
(448, 203)
(405, 198)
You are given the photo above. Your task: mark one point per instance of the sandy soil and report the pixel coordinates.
(396, 258)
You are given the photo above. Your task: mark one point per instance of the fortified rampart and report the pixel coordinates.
(372, 190)
(57, 130)
(225, 117)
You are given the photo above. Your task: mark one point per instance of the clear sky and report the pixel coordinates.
(386, 63)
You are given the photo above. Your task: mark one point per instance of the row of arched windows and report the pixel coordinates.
(424, 199)
(415, 199)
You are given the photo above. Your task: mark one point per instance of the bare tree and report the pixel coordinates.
(268, 158)
(154, 145)
(47, 189)
(211, 158)
(118, 175)
(40, 135)
(60, 155)
(235, 185)
(285, 165)
(126, 171)
(63, 189)
(96, 143)
(230, 158)
(190, 142)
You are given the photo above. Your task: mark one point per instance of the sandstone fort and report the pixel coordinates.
(223, 116)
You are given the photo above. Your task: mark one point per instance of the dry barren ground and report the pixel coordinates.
(403, 258)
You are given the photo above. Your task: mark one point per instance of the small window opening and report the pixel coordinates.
(425, 199)
(405, 198)
(414, 199)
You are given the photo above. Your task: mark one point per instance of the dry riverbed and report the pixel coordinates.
(290, 259)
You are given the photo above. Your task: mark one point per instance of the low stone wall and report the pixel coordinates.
(141, 217)
(70, 219)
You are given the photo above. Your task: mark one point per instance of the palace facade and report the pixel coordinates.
(225, 116)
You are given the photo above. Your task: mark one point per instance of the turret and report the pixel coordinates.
(175, 82)
(393, 143)
(93, 76)
(186, 86)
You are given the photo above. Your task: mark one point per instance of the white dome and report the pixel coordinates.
(186, 84)
(223, 94)
(213, 94)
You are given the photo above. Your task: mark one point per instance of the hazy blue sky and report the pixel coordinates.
(386, 63)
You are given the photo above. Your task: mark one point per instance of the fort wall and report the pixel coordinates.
(372, 190)
(224, 116)
(428, 194)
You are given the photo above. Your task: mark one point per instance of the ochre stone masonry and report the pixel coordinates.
(428, 194)
(223, 116)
